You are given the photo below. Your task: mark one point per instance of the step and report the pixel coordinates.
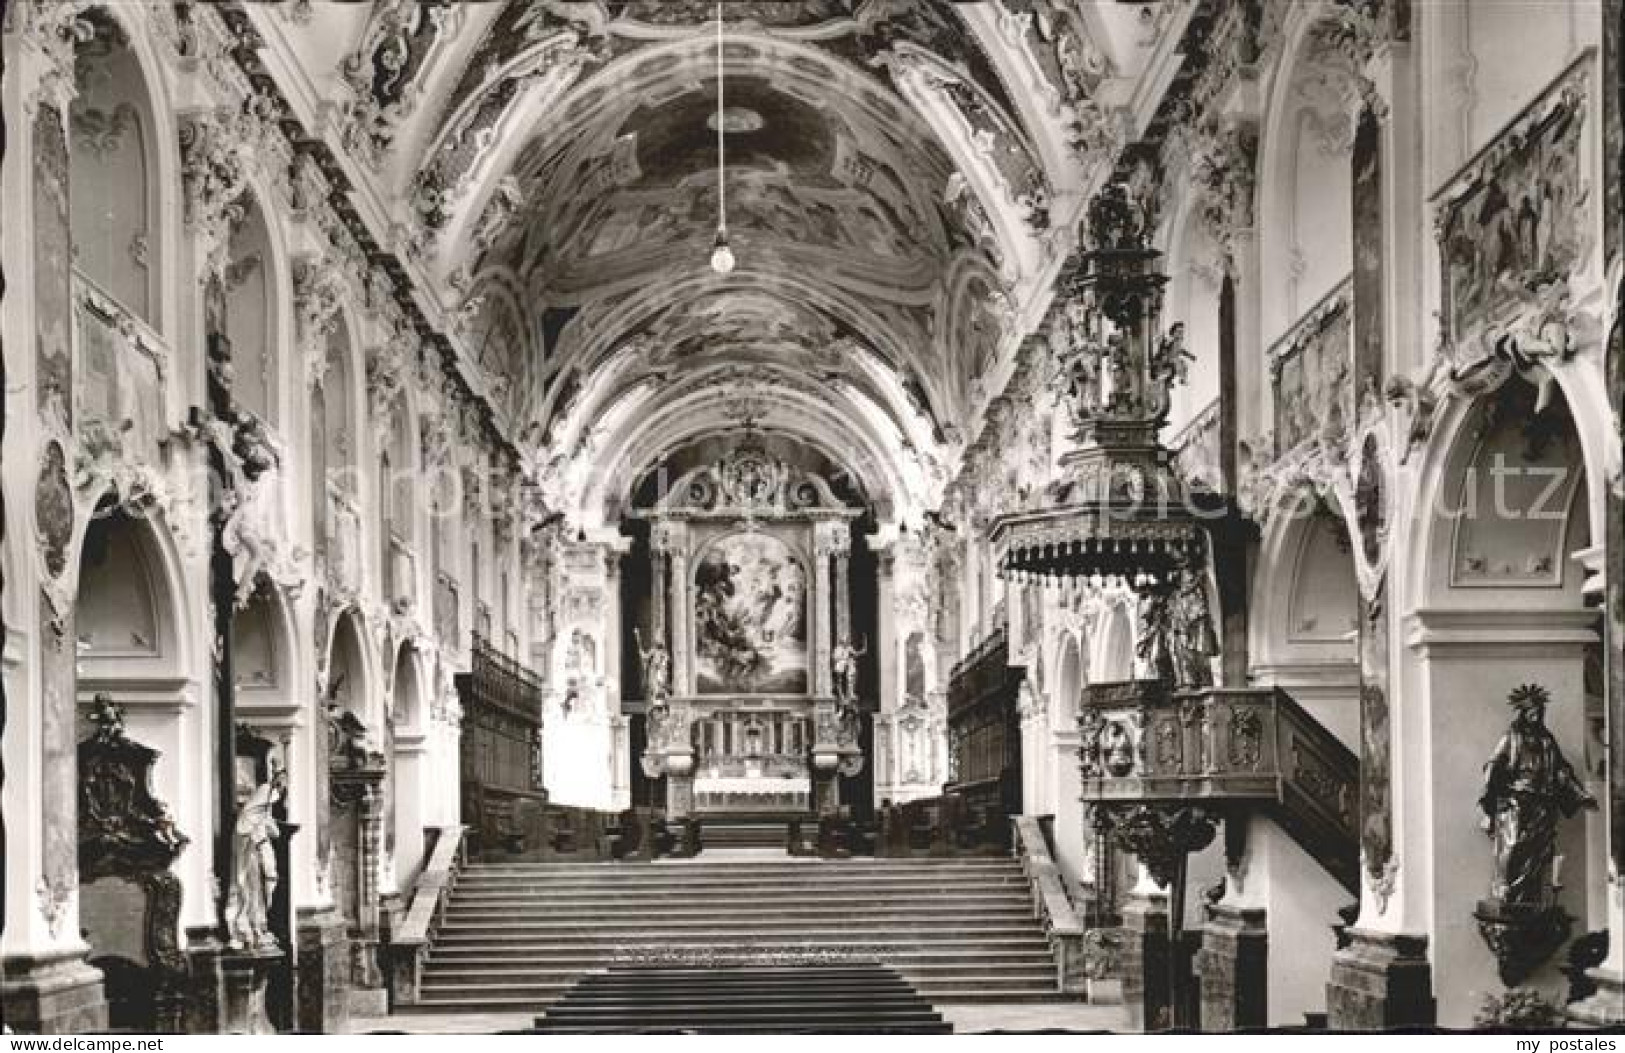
(588, 958)
(434, 988)
(792, 930)
(852, 863)
(808, 879)
(678, 907)
(972, 964)
(728, 897)
(943, 1028)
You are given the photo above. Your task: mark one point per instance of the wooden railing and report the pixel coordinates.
(1225, 745)
(1051, 903)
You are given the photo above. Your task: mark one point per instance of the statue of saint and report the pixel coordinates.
(843, 661)
(1154, 648)
(1528, 787)
(254, 873)
(1078, 362)
(1193, 642)
(1177, 641)
(656, 669)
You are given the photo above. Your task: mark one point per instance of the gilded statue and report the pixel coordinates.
(1528, 787)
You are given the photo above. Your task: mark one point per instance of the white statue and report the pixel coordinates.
(254, 872)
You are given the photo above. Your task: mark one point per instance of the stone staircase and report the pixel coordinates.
(863, 999)
(517, 936)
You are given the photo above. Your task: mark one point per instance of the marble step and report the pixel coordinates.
(1013, 884)
(633, 930)
(969, 964)
(472, 912)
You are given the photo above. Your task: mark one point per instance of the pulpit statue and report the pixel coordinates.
(1177, 641)
(1193, 642)
(843, 662)
(1078, 364)
(1169, 368)
(254, 873)
(1528, 787)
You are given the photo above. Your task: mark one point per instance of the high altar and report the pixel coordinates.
(749, 674)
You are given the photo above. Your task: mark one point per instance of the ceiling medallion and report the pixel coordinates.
(722, 257)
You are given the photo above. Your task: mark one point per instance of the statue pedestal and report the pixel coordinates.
(52, 993)
(244, 978)
(1234, 968)
(322, 979)
(1146, 994)
(1380, 981)
(1521, 936)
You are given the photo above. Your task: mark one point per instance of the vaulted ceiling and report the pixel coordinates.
(902, 182)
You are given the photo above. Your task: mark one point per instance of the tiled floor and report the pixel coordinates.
(966, 1019)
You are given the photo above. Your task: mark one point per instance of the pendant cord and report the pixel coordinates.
(722, 165)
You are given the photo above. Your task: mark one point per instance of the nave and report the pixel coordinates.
(1100, 508)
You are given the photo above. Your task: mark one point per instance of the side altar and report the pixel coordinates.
(750, 670)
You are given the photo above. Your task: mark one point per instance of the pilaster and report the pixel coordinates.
(1234, 968)
(1145, 963)
(1380, 981)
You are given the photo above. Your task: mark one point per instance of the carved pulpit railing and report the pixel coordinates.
(1227, 749)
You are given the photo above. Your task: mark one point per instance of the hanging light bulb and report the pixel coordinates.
(722, 257)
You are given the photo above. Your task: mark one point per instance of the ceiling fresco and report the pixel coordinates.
(886, 195)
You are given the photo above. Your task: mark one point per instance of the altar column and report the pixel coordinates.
(829, 539)
(611, 631)
(657, 602)
(888, 646)
(672, 541)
